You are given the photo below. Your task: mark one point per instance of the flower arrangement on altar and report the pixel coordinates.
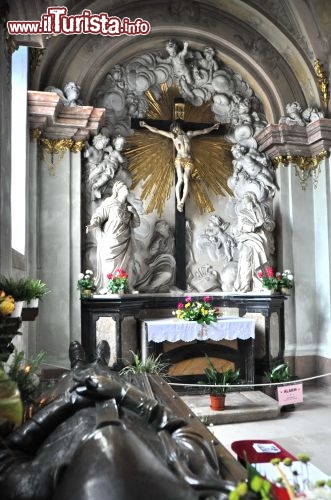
(86, 284)
(275, 280)
(7, 304)
(118, 281)
(200, 311)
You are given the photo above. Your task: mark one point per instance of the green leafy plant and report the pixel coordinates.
(11, 408)
(280, 373)
(152, 364)
(35, 289)
(86, 281)
(16, 287)
(200, 311)
(24, 372)
(118, 281)
(221, 378)
(275, 280)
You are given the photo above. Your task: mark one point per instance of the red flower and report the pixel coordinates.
(110, 276)
(180, 305)
(269, 272)
(206, 298)
(260, 274)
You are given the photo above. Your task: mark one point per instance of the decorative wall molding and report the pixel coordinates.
(301, 147)
(57, 121)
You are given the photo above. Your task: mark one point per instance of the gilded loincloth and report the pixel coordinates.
(184, 163)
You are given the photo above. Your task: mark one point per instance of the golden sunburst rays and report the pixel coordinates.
(212, 168)
(151, 156)
(151, 160)
(163, 108)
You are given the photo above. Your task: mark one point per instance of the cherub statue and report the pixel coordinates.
(254, 165)
(208, 62)
(293, 115)
(108, 167)
(180, 70)
(72, 92)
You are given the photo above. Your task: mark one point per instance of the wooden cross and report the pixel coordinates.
(180, 220)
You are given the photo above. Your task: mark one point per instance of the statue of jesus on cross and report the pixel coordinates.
(183, 159)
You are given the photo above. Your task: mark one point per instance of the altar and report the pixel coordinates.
(228, 328)
(266, 310)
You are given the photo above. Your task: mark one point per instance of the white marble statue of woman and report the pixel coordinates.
(114, 220)
(254, 240)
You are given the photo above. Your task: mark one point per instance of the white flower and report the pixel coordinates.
(80, 276)
(278, 274)
(88, 271)
(287, 271)
(87, 276)
(290, 277)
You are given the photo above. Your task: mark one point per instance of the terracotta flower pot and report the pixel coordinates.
(217, 402)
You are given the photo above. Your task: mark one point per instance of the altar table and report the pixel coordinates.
(225, 328)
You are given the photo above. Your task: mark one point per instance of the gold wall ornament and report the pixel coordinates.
(179, 111)
(54, 147)
(151, 156)
(323, 81)
(77, 146)
(35, 134)
(305, 166)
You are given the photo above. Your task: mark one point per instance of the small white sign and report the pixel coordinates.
(266, 448)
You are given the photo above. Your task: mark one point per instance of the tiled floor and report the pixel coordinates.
(305, 430)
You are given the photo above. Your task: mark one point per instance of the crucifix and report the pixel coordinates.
(181, 133)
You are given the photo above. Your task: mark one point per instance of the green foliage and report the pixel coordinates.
(281, 373)
(35, 289)
(24, 373)
(11, 408)
(222, 378)
(200, 311)
(86, 281)
(151, 365)
(16, 287)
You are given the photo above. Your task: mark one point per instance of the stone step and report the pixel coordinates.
(239, 407)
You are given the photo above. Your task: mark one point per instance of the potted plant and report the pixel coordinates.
(201, 311)
(36, 289)
(276, 281)
(152, 365)
(221, 379)
(278, 374)
(118, 281)
(86, 284)
(17, 288)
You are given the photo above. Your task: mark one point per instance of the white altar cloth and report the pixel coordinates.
(173, 329)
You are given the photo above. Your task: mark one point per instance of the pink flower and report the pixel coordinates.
(260, 274)
(206, 298)
(270, 272)
(110, 276)
(188, 299)
(180, 305)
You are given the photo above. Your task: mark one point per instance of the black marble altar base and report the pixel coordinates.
(138, 305)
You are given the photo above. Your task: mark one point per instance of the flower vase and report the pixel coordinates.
(86, 294)
(17, 312)
(285, 291)
(217, 402)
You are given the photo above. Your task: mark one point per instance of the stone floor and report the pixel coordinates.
(240, 407)
(307, 429)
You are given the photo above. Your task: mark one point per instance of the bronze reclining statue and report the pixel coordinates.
(97, 437)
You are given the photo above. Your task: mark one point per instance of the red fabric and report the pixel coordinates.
(246, 453)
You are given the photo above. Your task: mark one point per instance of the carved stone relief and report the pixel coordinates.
(221, 254)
